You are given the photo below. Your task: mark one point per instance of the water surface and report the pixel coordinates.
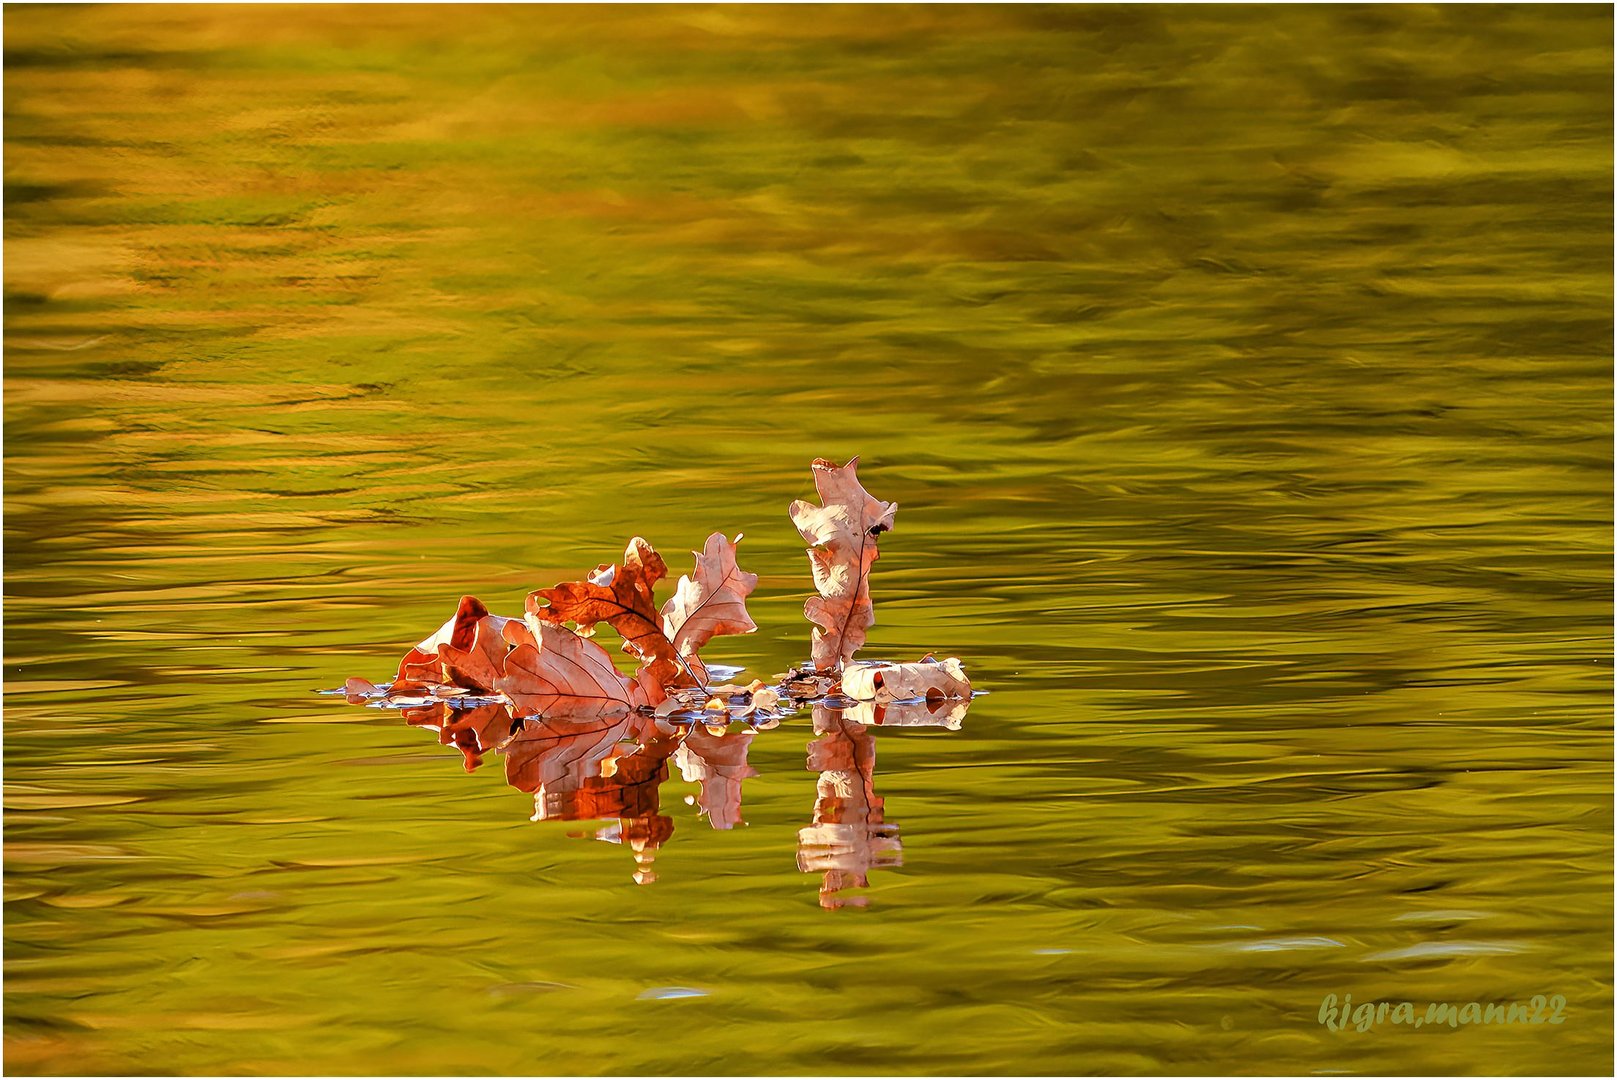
(1243, 377)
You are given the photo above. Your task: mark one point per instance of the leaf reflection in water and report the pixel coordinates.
(849, 835)
(610, 764)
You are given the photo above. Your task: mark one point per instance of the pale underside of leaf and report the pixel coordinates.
(881, 681)
(843, 534)
(710, 601)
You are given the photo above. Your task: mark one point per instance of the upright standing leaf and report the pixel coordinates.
(564, 674)
(622, 597)
(843, 532)
(712, 600)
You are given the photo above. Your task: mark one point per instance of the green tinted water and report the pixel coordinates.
(1243, 377)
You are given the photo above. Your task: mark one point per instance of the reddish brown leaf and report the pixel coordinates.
(843, 532)
(622, 597)
(480, 665)
(520, 633)
(712, 600)
(564, 674)
(472, 638)
(516, 632)
(650, 686)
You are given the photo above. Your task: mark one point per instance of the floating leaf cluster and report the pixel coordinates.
(590, 743)
(547, 663)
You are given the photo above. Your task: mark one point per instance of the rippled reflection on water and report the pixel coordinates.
(613, 770)
(1244, 377)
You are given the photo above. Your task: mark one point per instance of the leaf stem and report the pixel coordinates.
(681, 658)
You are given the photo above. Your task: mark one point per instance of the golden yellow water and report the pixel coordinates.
(1243, 376)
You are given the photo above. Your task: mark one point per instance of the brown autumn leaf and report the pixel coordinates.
(516, 632)
(711, 600)
(842, 532)
(565, 674)
(467, 651)
(521, 634)
(480, 664)
(622, 597)
(928, 679)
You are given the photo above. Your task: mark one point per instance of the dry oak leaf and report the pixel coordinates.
(652, 687)
(843, 532)
(467, 651)
(481, 664)
(928, 679)
(517, 633)
(559, 672)
(622, 597)
(712, 600)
